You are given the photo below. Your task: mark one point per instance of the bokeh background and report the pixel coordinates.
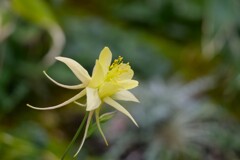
(185, 53)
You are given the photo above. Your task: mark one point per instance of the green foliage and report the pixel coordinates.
(36, 11)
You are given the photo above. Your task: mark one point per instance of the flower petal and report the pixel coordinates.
(128, 84)
(93, 99)
(121, 72)
(79, 95)
(117, 106)
(108, 89)
(99, 126)
(76, 68)
(127, 74)
(105, 59)
(97, 76)
(63, 85)
(85, 132)
(125, 95)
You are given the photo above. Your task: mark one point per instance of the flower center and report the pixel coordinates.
(116, 62)
(119, 71)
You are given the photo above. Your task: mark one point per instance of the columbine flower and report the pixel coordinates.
(109, 82)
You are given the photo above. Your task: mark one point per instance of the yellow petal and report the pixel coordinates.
(93, 100)
(97, 76)
(128, 84)
(79, 95)
(125, 95)
(76, 68)
(63, 85)
(108, 89)
(117, 106)
(99, 126)
(85, 132)
(105, 58)
(127, 75)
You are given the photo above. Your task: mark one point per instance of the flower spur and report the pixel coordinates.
(109, 82)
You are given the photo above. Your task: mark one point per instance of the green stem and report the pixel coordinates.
(75, 136)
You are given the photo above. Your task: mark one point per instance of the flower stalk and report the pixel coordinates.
(75, 136)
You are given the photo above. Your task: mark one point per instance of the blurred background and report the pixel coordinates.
(185, 53)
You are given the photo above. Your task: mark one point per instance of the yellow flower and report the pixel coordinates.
(109, 82)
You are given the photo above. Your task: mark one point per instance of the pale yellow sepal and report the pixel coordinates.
(79, 86)
(93, 99)
(125, 95)
(80, 104)
(79, 95)
(120, 108)
(76, 68)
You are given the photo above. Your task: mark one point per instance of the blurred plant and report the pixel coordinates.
(221, 29)
(39, 13)
(16, 52)
(221, 40)
(109, 82)
(176, 123)
(6, 25)
(33, 143)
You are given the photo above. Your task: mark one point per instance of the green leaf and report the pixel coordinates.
(106, 116)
